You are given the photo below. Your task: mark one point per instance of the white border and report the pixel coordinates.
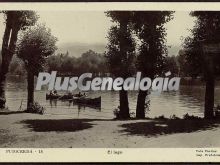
(99, 6)
(101, 154)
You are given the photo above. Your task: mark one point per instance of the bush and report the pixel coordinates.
(161, 117)
(174, 117)
(132, 115)
(2, 102)
(217, 112)
(187, 116)
(116, 113)
(36, 108)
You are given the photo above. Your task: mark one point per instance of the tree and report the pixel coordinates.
(16, 66)
(205, 31)
(149, 27)
(121, 53)
(35, 45)
(14, 22)
(171, 64)
(89, 61)
(92, 62)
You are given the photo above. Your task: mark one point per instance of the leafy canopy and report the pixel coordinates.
(35, 45)
(206, 30)
(20, 19)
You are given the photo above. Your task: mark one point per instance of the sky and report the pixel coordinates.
(91, 27)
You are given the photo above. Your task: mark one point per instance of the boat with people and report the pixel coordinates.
(52, 95)
(68, 96)
(76, 98)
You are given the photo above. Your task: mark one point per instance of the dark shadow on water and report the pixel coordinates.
(165, 127)
(58, 125)
(69, 103)
(10, 112)
(53, 103)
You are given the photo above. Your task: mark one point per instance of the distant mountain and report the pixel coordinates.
(76, 49)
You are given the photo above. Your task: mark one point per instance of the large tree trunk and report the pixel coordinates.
(150, 61)
(30, 88)
(209, 71)
(209, 98)
(7, 55)
(210, 89)
(124, 108)
(140, 109)
(2, 90)
(4, 64)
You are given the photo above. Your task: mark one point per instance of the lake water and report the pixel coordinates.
(189, 99)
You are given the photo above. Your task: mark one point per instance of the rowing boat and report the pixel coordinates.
(76, 99)
(60, 97)
(52, 97)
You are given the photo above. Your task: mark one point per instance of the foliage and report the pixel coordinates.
(35, 45)
(161, 117)
(16, 66)
(36, 108)
(185, 69)
(171, 64)
(66, 64)
(120, 53)
(14, 22)
(20, 19)
(150, 29)
(89, 61)
(132, 115)
(147, 104)
(116, 113)
(217, 111)
(206, 30)
(174, 117)
(190, 117)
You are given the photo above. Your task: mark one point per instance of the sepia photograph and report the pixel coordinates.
(110, 79)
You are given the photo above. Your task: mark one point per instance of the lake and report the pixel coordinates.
(189, 99)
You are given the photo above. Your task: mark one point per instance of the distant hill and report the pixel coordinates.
(76, 49)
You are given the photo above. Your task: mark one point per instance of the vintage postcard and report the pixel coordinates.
(110, 82)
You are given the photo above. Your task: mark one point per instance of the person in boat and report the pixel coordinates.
(84, 94)
(69, 94)
(80, 94)
(51, 93)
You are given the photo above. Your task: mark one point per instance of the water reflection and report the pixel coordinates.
(69, 103)
(53, 103)
(189, 99)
